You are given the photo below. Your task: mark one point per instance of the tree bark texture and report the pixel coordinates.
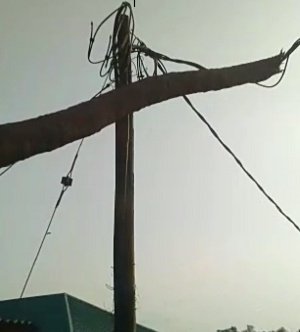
(21, 140)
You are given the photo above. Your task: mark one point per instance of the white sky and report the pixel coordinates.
(211, 251)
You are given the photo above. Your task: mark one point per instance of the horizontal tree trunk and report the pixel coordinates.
(21, 140)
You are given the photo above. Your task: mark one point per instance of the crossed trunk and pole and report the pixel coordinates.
(22, 140)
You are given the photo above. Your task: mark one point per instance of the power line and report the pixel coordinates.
(142, 48)
(240, 164)
(280, 78)
(111, 48)
(157, 58)
(67, 180)
(66, 183)
(6, 169)
(108, 62)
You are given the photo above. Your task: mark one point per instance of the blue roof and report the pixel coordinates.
(48, 312)
(60, 313)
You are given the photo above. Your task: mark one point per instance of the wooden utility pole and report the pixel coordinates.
(124, 280)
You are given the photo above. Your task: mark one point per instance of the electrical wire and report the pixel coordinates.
(67, 180)
(66, 183)
(113, 62)
(240, 164)
(285, 57)
(163, 70)
(142, 48)
(7, 169)
(109, 63)
(280, 78)
(116, 54)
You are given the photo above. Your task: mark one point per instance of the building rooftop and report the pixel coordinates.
(56, 313)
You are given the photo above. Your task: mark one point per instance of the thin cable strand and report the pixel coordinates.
(139, 47)
(107, 76)
(7, 169)
(237, 160)
(240, 164)
(63, 190)
(41, 244)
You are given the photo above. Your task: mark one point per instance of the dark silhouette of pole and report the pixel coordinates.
(124, 280)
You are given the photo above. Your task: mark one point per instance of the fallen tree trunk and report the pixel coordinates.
(21, 140)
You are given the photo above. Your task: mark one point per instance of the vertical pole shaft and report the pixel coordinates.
(124, 279)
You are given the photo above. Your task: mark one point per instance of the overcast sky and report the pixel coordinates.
(211, 251)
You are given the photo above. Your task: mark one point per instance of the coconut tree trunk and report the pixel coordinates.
(21, 140)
